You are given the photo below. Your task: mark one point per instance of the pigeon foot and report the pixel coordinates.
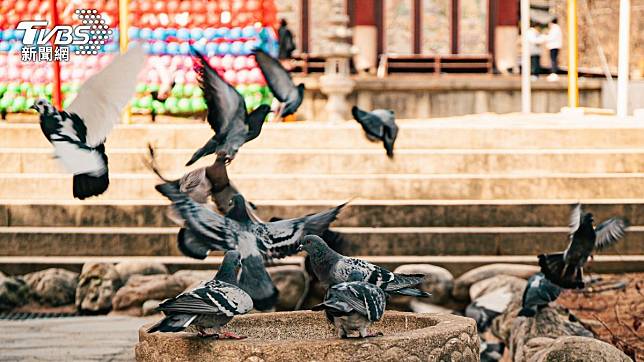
(204, 334)
(231, 335)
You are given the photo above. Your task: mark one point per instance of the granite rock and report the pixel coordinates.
(14, 292)
(438, 281)
(140, 288)
(462, 284)
(292, 282)
(576, 348)
(97, 284)
(127, 269)
(54, 286)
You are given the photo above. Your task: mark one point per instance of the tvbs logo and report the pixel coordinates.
(86, 38)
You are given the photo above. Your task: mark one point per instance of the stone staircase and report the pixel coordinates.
(461, 192)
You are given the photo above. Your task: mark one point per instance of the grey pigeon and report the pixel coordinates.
(208, 306)
(353, 306)
(379, 125)
(205, 230)
(491, 352)
(332, 268)
(538, 293)
(78, 133)
(487, 307)
(280, 83)
(566, 268)
(227, 114)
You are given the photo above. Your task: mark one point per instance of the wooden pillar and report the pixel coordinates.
(455, 24)
(362, 14)
(57, 95)
(305, 26)
(418, 26)
(491, 28)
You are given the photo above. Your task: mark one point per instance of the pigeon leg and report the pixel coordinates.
(338, 327)
(203, 334)
(278, 112)
(231, 335)
(365, 334)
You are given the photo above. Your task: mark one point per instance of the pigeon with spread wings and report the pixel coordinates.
(280, 83)
(78, 133)
(205, 230)
(566, 268)
(379, 125)
(227, 114)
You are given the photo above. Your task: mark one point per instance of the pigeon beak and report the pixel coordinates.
(300, 247)
(33, 106)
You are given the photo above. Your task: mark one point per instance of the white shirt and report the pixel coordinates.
(534, 40)
(554, 38)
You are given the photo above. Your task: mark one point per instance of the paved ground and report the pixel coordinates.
(70, 339)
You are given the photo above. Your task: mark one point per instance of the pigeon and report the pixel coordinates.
(280, 83)
(379, 125)
(209, 306)
(487, 307)
(332, 268)
(353, 306)
(205, 230)
(79, 132)
(566, 268)
(491, 352)
(227, 114)
(537, 294)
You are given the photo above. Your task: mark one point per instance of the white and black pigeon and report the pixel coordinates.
(227, 114)
(353, 306)
(379, 125)
(331, 268)
(566, 268)
(280, 83)
(487, 307)
(79, 132)
(209, 306)
(538, 293)
(205, 230)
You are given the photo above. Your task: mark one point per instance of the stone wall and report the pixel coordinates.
(411, 97)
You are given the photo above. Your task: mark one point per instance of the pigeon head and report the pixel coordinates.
(43, 107)
(196, 185)
(313, 244)
(238, 211)
(587, 219)
(228, 270)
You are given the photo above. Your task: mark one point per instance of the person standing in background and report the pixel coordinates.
(535, 39)
(554, 41)
(286, 43)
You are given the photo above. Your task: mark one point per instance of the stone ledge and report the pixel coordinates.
(305, 336)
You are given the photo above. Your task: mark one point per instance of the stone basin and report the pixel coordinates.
(307, 336)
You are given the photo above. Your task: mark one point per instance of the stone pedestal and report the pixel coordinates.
(336, 87)
(307, 336)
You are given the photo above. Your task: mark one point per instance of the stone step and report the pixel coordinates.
(457, 265)
(482, 131)
(87, 241)
(374, 186)
(367, 213)
(356, 161)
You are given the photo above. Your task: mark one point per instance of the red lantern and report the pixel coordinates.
(159, 7)
(198, 6)
(133, 6)
(185, 6)
(145, 6)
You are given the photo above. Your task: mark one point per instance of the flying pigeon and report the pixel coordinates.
(487, 307)
(280, 83)
(566, 268)
(353, 306)
(537, 294)
(332, 268)
(208, 306)
(227, 114)
(379, 125)
(205, 230)
(79, 132)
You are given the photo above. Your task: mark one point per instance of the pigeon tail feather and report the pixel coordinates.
(554, 267)
(86, 185)
(412, 292)
(527, 312)
(173, 323)
(209, 148)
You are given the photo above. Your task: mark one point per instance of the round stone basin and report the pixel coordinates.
(307, 336)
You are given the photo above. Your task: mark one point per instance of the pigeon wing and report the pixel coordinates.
(70, 148)
(219, 232)
(226, 107)
(215, 297)
(575, 219)
(363, 298)
(370, 123)
(103, 96)
(277, 78)
(285, 235)
(608, 232)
